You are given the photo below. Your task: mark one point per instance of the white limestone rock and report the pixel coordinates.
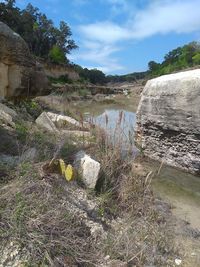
(88, 168)
(62, 121)
(8, 110)
(45, 122)
(168, 120)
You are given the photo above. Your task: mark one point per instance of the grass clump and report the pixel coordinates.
(140, 235)
(36, 215)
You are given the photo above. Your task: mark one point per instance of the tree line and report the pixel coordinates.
(177, 59)
(55, 43)
(43, 38)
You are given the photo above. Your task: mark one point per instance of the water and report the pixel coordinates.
(180, 189)
(118, 123)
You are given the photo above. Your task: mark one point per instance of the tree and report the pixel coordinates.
(196, 59)
(153, 66)
(172, 56)
(38, 31)
(177, 59)
(56, 55)
(10, 3)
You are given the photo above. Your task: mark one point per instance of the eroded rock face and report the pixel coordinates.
(168, 120)
(19, 73)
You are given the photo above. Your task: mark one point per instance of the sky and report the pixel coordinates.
(122, 36)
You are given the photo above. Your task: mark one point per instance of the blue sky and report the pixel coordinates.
(122, 36)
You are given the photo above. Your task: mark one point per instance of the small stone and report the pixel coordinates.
(178, 262)
(87, 168)
(107, 257)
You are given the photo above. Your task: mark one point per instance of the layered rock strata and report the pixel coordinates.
(168, 120)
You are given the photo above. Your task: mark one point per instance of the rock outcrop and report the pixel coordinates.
(20, 75)
(61, 124)
(57, 70)
(168, 120)
(6, 115)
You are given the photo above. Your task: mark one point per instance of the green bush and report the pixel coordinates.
(196, 59)
(56, 55)
(62, 79)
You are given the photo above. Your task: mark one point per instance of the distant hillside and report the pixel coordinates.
(181, 58)
(131, 77)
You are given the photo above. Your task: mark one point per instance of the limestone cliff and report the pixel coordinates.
(19, 73)
(58, 70)
(168, 120)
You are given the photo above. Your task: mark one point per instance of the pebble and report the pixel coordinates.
(193, 254)
(178, 262)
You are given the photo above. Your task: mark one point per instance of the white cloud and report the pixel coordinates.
(162, 17)
(101, 39)
(108, 68)
(100, 55)
(106, 32)
(118, 6)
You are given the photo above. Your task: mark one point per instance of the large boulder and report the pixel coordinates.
(61, 124)
(6, 115)
(46, 123)
(168, 120)
(19, 73)
(63, 121)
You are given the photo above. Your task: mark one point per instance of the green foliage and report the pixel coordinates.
(177, 59)
(94, 76)
(153, 66)
(196, 59)
(24, 168)
(56, 55)
(32, 107)
(62, 79)
(38, 31)
(127, 78)
(21, 131)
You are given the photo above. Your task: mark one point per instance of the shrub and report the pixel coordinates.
(56, 55)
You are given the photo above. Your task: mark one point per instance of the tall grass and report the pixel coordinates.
(138, 237)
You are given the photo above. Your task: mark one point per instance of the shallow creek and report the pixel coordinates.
(180, 189)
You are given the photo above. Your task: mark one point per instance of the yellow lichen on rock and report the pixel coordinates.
(62, 166)
(66, 171)
(69, 172)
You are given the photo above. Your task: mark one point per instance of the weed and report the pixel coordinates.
(31, 107)
(21, 131)
(24, 168)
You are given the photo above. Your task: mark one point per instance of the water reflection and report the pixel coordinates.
(118, 123)
(178, 187)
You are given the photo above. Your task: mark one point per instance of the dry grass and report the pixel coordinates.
(142, 235)
(35, 212)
